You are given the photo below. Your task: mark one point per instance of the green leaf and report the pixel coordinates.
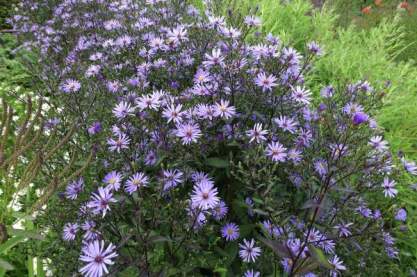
(246, 229)
(5, 265)
(277, 247)
(257, 200)
(26, 234)
(31, 271)
(221, 270)
(10, 243)
(307, 267)
(259, 211)
(217, 162)
(156, 239)
(318, 255)
(39, 268)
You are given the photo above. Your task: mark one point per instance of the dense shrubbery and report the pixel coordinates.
(209, 153)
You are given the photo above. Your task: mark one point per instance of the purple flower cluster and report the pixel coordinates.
(176, 95)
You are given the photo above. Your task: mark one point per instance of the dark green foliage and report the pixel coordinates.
(5, 12)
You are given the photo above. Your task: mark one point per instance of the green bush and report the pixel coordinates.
(350, 12)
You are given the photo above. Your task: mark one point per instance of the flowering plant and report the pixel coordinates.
(211, 153)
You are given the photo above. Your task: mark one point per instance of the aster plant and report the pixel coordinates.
(211, 152)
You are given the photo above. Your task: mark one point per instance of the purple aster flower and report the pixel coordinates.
(100, 201)
(320, 166)
(343, 229)
(123, 41)
(352, 108)
(249, 203)
(392, 252)
(197, 217)
(113, 86)
(134, 82)
(389, 188)
(150, 158)
(256, 133)
(74, 188)
(113, 180)
(337, 263)
(97, 257)
(149, 101)
(377, 214)
(223, 109)
(70, 230)
(206, 111)
(215, 22)
(286, 124)
(70, 86)
(112, 24)
(265, 82)
(364, 211)
(378, 143)
(272, 39)
(230, 32)
(92, 70)
(359, 118)
(189, 132)
(95, 128)
(248, 251)
(202, 77)
(301, 95)
(220, 210)
(172, 178)
(268, 226)
(315, 48)
(327, 245)
(173, 113)
(287, 264)
(205, 195)
(52, 122)
(409, 166)
(338, 150)
(122, 110)
(314, 235)
(251, 273)
(122, 142)
(294, 155)
(277, 231)
(199, 176)
(157, 43)
(136, 181)
(294, 244)
(89, 227)
(216, 58)
(401, 215)
(276, 151)
(290, 56)
(177, 35)
(327, 92)
(388, 239)
(252, 21)
(373, 124)
(366, 87)
(304, 138)
(230, 231)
